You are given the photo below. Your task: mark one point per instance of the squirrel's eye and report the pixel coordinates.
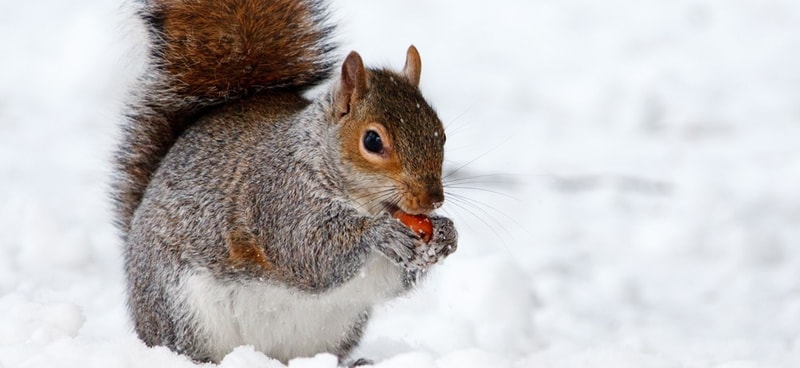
(373, 142)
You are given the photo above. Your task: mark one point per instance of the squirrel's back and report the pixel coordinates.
(206, 52)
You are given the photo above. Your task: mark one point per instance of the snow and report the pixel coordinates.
(626, 192)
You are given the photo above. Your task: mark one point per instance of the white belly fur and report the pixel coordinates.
(281, 322)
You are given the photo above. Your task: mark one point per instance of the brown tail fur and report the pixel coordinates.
(205, 52)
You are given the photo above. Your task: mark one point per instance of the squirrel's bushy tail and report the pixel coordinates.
(204, 52)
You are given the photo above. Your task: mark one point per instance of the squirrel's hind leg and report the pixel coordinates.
(360, 362)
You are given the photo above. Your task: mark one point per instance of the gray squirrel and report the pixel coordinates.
(251, 215)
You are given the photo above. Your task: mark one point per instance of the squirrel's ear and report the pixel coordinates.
(352, 85)
(413, 66)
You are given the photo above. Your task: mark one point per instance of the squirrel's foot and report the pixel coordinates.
(360, 362)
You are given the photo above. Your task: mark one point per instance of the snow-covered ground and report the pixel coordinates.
(630, 191)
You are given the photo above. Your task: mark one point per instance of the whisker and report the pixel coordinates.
(378, 191)
(374, 198)
(482, 206)
(448, 127)
(380, 201)
(501, 178)
(485, 190)
(463, 206)
(453, 172)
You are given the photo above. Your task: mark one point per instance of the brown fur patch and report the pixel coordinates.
(207, 52)
(244, 252)
(352, 134)
(219, 48)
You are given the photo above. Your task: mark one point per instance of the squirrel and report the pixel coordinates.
(254, 215)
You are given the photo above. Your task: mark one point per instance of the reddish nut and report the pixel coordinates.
(420, 224)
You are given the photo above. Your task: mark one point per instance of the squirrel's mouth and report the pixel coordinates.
(393, 208)
(390, 208)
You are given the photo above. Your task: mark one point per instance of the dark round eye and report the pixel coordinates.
(373, 142)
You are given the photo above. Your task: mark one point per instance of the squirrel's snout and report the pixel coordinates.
(422, 201)
(426, 200)
(436, 197)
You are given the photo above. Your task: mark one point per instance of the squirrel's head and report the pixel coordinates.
(392, 141)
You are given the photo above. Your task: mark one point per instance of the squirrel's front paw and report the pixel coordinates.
(443, 242)
(407, 249)
(396, 241)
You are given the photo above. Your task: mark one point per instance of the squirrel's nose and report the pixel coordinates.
(436, 197)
